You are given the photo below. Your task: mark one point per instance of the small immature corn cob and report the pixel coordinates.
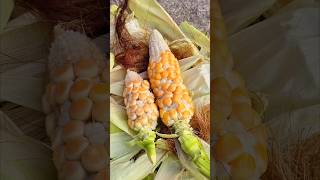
(142, 112)
(240, 146)
(173, 99)
(75, 102)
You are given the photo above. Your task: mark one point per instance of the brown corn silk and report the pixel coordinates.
(240, 147)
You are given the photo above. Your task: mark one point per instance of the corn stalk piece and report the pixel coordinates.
(174, 100)
(75, 102)
(241, 147)
(142, 112)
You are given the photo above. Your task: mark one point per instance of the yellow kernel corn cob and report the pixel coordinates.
(142, 112)
(75, 102)
(173, 99)
(240, 148)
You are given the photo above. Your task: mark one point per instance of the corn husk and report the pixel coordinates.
(239, 14)
(23, 157)
(6, 7)
(150, 14)
(24, 19)
(196, 36)
(283, 63)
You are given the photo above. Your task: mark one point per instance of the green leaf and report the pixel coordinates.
(187, 163)
(152, 15)
(6, 7)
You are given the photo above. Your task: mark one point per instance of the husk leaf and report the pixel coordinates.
(152, 15)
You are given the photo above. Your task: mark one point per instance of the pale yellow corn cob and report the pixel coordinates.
(142, 111)
(240, 148)
(75, 102)
(173, 99)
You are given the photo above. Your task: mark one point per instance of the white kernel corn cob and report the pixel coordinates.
(75, 102)
(142, 111)
(240, 146)
(173, 99)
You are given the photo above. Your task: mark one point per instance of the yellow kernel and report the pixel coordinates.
(180, 108)
(177, 80)
(135, 89)
(185, 114)
(150, 100)
(133, 108)
(132, 103)
(158, 92)
(157, 76)
(156, 83)
(164, 74)
(143, 120)
(172, 87)
(160, 103)
(176, 98)
(135, 96)
(173, 114)
(139, 111)
(172, 75)
(146, 108)
(167, 101)
(165, 86)
(158, 67)
(146, 84)
(142, 96)
(161, 112)
(165, 117)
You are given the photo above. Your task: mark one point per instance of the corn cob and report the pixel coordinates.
(142, 112)
(173, 99)
(241, 147)
(75, 102)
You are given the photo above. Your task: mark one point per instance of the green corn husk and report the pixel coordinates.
(192, 146)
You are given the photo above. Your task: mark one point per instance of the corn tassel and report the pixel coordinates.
(241, 147)
(142, 112)
(75, 102)
(173, 99)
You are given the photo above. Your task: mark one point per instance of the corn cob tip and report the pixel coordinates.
(157, 45)
(132, 76)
